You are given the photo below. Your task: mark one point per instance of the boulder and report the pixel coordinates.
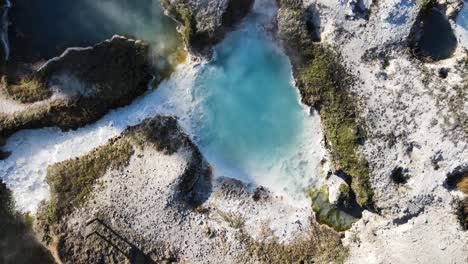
(84, 84)
(205, 23)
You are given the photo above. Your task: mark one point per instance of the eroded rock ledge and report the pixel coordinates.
(323, 83)
(204, 23)
(81, 86)
(415, 124)
(149, 192)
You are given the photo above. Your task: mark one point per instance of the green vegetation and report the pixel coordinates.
(330, 214)
(189, 25)
(457, 100)
(28, 90)
(3, 154)
(66, 115)
(18, 244)
(318, 245)
(182, 14)
(459, 181)
(354, 237)
(385, 63)
(344, 188)
(162, 133)
(235, 221)
(322, 81)
(71, 181)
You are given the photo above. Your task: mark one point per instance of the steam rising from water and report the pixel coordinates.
(44, 29)
(241, 109)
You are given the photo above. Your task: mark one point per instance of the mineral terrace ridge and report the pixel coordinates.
(393, 114)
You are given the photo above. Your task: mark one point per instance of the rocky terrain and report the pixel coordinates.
(18, 243)
(77, 87)
(174, 210)
(204, 23)
(393, 111)
(415, 119)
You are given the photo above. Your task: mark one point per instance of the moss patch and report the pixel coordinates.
(322, 81)
(459, 180)
(12, 123)
(399, 175)
(117, 71)
(431, 26)
(456, 102)
(318, 245)
(338, 217)
(189, 25)
(66, 115)
(71, 181)
(182, 14)
(462, 186)
(28, 90)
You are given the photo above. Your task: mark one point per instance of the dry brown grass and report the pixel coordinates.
(234, 220)
(320, 244)
(28, 90)
(71, 181)
(462, 185)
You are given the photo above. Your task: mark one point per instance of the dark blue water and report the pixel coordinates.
(42, 29)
